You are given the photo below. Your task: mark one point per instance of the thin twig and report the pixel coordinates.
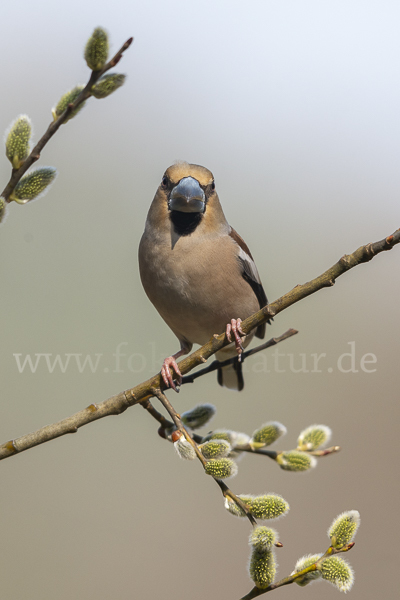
(55, 125)
(164, 423)
(264, 451)
(119, 403)
(325, 452)
(273, 454)
(178, 423)
(216, 364)
(226, 492)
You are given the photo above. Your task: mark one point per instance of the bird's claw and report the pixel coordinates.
(235, 327)
(166, 373)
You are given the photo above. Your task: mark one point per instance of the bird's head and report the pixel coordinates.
(187, 197)
(187, 188)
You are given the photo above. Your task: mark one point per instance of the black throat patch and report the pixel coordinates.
(185, 223)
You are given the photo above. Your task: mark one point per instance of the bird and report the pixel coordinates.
(197, 271)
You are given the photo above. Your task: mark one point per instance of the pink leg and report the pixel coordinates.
(169, 362)
(235, 327)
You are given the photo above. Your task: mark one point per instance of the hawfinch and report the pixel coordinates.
(197, 271)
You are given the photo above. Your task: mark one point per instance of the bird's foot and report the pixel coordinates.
(166, 373)
(235, 327)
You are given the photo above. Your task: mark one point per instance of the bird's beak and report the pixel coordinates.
(187, 196)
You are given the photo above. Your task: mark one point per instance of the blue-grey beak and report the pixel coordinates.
(187, 196)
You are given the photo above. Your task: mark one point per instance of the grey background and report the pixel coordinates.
(295, 108)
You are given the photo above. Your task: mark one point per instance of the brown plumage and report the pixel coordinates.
(196, 270)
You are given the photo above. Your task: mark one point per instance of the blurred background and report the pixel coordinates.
(294, 106)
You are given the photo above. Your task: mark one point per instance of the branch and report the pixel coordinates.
(292, 578)
(273, 453)
(165, 424)
(55, 125)
(119, 403)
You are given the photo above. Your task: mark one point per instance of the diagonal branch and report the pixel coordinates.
(327, 279)
(55, 125)
(119, 403)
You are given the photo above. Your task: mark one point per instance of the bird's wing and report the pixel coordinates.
(250, 274)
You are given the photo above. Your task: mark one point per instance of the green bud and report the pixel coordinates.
(269, 506)
(221, 434)
(3, 209)
(267, 434)
(344, 528)
(262, 568)
(17, 141)
(234, 509)
(68, 98)
(314, 437)
(294, 460)
(338, 572)
(221, 468)
(303, 563)
(184, 448)
(107, 84)
(32, 185)
(215, 449)
(198, 416)
(96, 51)
(262, 538)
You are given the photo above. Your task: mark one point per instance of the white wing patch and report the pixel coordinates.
(249, 265)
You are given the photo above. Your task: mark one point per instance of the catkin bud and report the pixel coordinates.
(263, 538)
(96, 50)
(215, 449)
(269, 506)
(222, 434)
(267, 434)
(262, 568)
(183, 448)
(338, 572)
(344, 528)
(294, 460)
(17, 141)
(107, 84)
(221, 468)
(198, 416)
(68, 98)
(32, 185)
(314, 437)
(303, 563)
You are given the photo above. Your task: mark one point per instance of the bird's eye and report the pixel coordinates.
(213, 186)
(164, 181)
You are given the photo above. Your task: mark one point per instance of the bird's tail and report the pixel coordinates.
(231, 376)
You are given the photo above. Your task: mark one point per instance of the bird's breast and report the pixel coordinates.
(197, 287)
